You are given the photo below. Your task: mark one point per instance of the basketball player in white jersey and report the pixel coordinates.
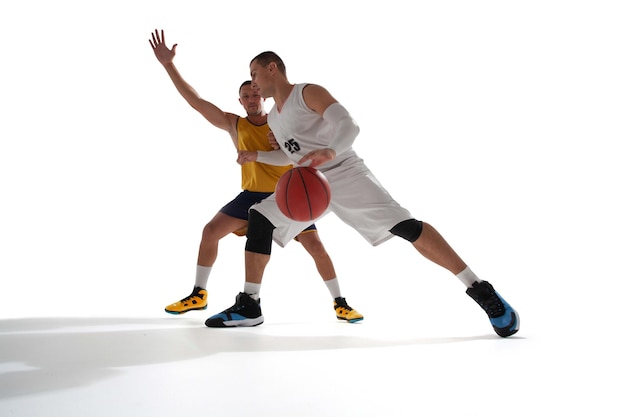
(312, 128)
(258, 182)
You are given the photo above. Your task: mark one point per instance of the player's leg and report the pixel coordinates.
(231, 218)
(361, 202)
(246, 311)
(434, 247)
(311, 241)
(428, 242)
(220, 226)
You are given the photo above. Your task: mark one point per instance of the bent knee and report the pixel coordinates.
(408, 229)
(260, 231)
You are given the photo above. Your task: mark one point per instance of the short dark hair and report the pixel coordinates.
(267, 57)
(243, 84)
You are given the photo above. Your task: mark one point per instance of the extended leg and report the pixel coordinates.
(503, 318)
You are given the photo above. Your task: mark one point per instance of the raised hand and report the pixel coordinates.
(161, 51)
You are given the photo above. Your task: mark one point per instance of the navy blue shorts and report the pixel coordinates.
(239, 206)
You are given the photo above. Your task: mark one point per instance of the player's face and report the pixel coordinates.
(251, 100)
(260, 77)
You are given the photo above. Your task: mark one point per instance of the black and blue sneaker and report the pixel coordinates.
(503, 317)
(245, 313)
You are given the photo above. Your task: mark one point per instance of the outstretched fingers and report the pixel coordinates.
(157, 39)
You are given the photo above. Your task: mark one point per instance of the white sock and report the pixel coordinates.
(468, 277)
(252, 290)
(202, 275)
(333, 287)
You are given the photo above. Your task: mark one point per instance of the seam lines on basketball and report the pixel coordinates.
(287, 194)
(320, 181)
(306, 191)
(322, 186)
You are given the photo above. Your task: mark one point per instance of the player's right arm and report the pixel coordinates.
(217, 117)
(344, 128)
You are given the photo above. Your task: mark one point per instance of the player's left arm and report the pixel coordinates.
(345, 129)
(275, 157)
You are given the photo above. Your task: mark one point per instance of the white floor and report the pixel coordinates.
(403, 365)
(174, 366)
(101, 345)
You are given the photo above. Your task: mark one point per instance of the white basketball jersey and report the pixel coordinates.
(300, 130)
(357, 197)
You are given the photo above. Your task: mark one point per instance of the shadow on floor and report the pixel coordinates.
(47, 354)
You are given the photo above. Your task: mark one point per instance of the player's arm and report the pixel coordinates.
(345, 129)
(217, 117)
(272, 140)
(275, 157)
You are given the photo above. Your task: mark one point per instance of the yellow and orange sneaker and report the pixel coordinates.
(345, 312)
(196, 301)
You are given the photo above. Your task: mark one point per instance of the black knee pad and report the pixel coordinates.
(409, 229)
(259, 233)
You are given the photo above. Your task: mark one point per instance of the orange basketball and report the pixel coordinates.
(303, 194)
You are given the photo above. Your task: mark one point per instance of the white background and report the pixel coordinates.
(501, 123)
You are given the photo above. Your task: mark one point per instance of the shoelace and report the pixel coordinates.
(236, 307)
(342, 304)
(493, 306)
(340, 308)
(189, 297)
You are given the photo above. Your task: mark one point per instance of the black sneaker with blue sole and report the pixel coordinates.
(503, 317)
(246, 312)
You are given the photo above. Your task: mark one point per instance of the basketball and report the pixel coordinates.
(303, 194)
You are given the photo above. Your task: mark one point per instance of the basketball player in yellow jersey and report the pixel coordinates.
(258, 181)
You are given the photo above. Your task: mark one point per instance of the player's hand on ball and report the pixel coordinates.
(303, 194)
(318, 157)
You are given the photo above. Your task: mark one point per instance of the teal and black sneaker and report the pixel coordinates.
(246, 312)
(503, 317)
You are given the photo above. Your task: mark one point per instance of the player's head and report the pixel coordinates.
(266, 58)
(243, 84)
(250, 99)
(263, 69)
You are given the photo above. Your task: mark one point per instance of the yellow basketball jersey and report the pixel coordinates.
(256, 176)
